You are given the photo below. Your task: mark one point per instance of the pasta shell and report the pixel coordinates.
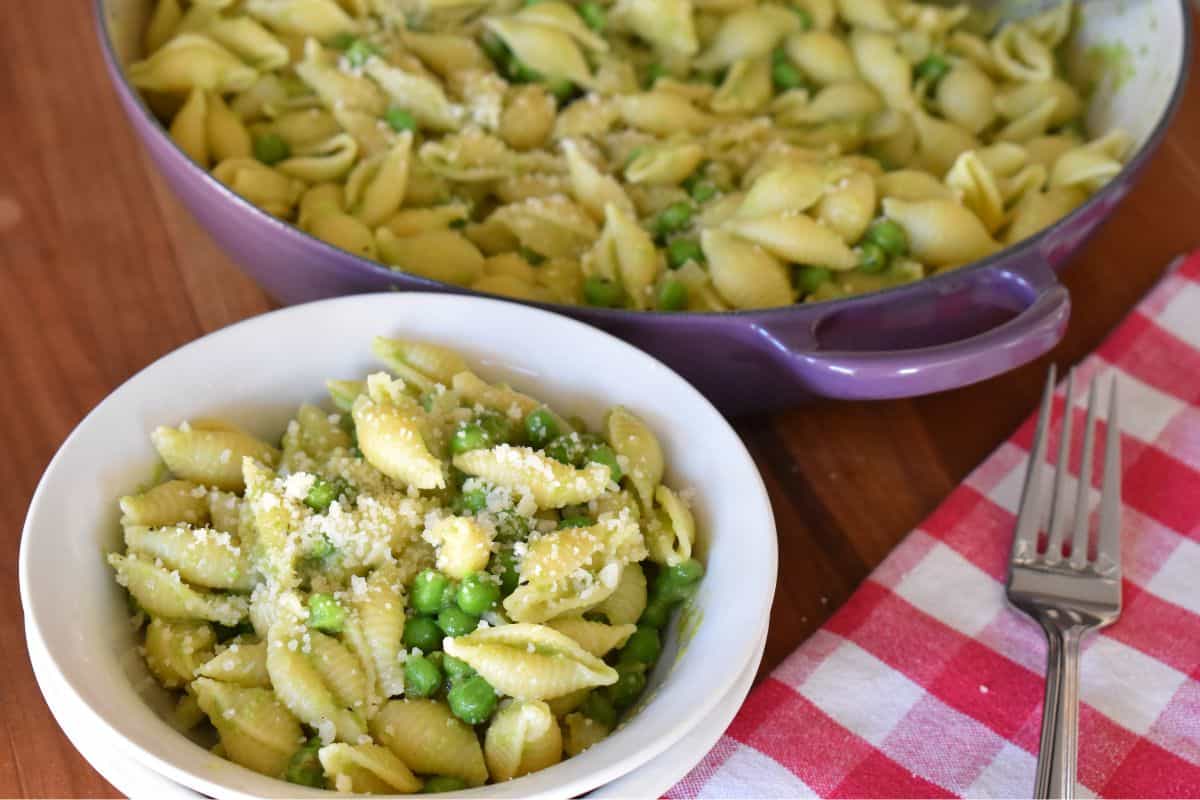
(530, 662)
(627, 602)
(242, 663)
(422, 97)
(430, 740)
(366, 769)
(592, 188)
(638, 450)
(441, 255)
(523, 738)
(463, 545)
(666, 24)
(166, 504)
(551, 483)
(625, 252)
(744, 274)
(912, 184)
(967, 98)
(300, 686)
(822, 56)
(1038, 210)
(390, 436)
(789, 187)
(941, 233)
(671, 534)
(192, 61)
(882, 66)
(201, 556)
(597, 638)
(164, 594)
(580, 733)
(561, 17)
(174, 650)
(545, 50)
(662, 113)
(256, 729)
(797, 238)
(848, 206)
(749, 34)
(320, 19)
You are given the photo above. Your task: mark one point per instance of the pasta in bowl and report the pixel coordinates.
(673, 155)
(436, 590)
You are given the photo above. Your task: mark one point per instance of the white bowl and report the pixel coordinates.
(256, 373)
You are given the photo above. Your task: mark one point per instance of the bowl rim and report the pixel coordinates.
(367, 266)
(39, 620)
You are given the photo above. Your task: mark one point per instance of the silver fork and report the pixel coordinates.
(1068, 596)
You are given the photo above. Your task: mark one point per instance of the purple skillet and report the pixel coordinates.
(944, 332)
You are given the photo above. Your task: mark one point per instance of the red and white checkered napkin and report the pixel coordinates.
(926, 685)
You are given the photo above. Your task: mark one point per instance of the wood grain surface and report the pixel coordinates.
(102, 271)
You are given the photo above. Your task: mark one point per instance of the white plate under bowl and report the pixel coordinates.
(135, 780)
(255, 374)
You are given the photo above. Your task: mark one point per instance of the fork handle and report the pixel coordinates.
(1059, 747)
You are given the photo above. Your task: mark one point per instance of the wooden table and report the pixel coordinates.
(102, 271)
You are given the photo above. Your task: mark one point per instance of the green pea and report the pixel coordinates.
(509, 573)
(602, 293)
(476, 594)
(872, 258)
(456, 669)
(889, 235)
(270, 149)
(672, 295)
(469, 436)
(703, 191)
(630, 683)
(809, 279)
(685, 573)
(472, 700)
(325, 614)
(786, 76)
(521, 72)
(511, 526)
(806, 18)
(305, 768)
(455, 622)
(322, 493)
(322, 549)
(427, 591)
(400, 120)
(654, 72)
(342, 40)
(449, 594)
(571, 448)
(471, 502)
(532, 256)
(495, 47)
(674, 217)
(657, 612)
(360, 52)
(594, 16)
(436, 784)
(681, 251)
(422, 633)
(603, 454)
(643, 647)
(498, 427)
(562, 89)
(598, 707)
(931, 69)
(575, 522)
(540, 427)
(779, 55)
(422, 678)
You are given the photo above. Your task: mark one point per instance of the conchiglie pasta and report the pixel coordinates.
(175, 650)
(192, 61)
(551, 483)
(256, 730)
(531, 662)
(524, 737)
(446, 745)
(366, 768)
(164, 594)
(241, 663)
(390, 436)
(941, 233)
(744, 274)
(168, 503)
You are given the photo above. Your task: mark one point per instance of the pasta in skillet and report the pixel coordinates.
(442, 584)
(679, 155)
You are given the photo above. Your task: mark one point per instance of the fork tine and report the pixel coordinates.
(1079, 534)
(1108, 542)
(1025, 537)
(1058, 517)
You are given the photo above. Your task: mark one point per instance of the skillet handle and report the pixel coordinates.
(931, 339)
